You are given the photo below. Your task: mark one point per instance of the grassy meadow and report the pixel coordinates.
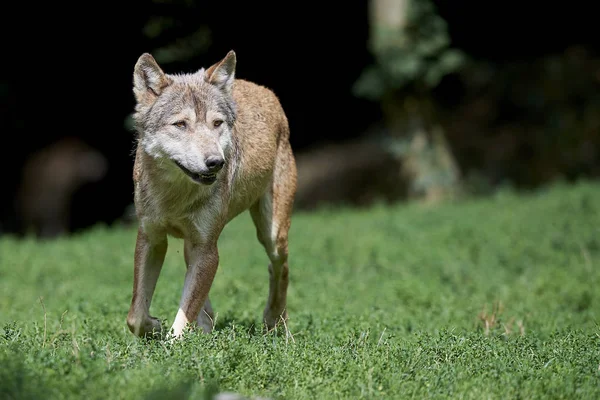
(491, 298)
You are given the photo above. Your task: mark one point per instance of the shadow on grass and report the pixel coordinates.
(17, 381)
(188, 389)
(250, 327)
(247, 325)
(182, 390)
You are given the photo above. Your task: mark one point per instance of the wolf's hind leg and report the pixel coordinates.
(206, 318)
(271, 215)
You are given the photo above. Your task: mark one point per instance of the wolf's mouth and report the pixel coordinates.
(206, 179)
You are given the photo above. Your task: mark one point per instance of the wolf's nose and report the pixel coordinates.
(214, 164)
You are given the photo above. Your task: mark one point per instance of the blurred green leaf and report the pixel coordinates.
(184, 48)
(370, 84)
(451, 59)
(157, 25)
(419, 55)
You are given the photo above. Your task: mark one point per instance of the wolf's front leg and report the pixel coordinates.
(202, 267)
(149, 257)
(206, 315)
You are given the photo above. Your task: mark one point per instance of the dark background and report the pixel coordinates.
(67, 71)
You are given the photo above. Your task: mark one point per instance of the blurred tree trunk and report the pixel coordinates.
(417, 139)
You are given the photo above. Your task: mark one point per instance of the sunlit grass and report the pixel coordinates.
(491, 298)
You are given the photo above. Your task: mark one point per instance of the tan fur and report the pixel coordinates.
(259, 175)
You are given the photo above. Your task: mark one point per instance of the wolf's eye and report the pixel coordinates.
(180, 124)
(217, 123)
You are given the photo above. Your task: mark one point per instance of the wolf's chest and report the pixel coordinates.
(176, 230)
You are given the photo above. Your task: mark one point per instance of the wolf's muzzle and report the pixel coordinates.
(206, 178)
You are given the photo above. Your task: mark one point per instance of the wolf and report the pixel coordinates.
(209, 147)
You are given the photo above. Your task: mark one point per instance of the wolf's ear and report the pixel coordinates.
(222, 73)
(149, 80)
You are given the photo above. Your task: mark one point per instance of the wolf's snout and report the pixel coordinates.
(214, 163)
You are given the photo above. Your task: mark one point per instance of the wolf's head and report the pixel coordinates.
(185, 121)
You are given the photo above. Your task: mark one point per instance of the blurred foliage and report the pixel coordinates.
(175, 34)
(417, 55)
(427, 163)
(176, 30)
(179, 46)
(528, 122)
(412, 53)
(184, 48)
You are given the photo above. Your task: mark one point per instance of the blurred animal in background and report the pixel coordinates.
(49, 179)
(353, 173)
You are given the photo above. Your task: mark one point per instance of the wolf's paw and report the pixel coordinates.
(206, 318)
(205, 321)
(273, 318)
(148, 327)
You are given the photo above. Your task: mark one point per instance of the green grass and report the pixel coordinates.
(384, 303)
